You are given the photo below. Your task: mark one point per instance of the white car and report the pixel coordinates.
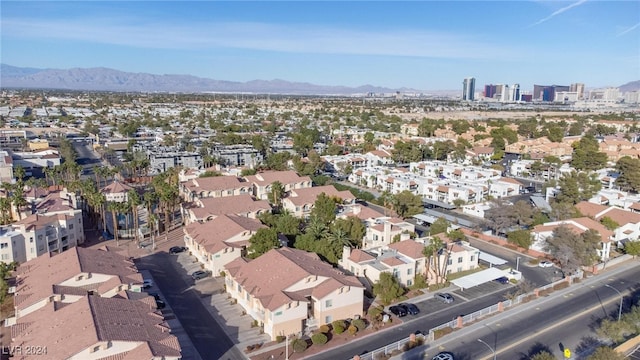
(545, 264)
(443, 356)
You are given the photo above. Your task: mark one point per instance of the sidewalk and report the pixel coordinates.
(466, 331)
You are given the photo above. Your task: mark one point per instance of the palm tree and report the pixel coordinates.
(114, 207)
(5, 210)
(17, 198)
(276, 193)
(134, 201)
(337, 235)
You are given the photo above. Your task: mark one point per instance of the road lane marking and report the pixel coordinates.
(546, 329)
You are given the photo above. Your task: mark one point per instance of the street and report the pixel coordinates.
(209, 339)
(565, 320)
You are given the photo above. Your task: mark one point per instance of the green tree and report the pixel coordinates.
(609, 223)
(387, 288)
(543, 355)
(276, 193)
(629, 178)
(573, 250)
(441, 225)
(521, 238)
(324, 209)
(578, 186)
(432, 252)
(587, 155)
(606, 353)
(632, 248)
(407, 204)
(262, 241)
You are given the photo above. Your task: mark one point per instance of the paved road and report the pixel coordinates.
(562, 320)
(87, 158)
(433, 313)
(209, 339)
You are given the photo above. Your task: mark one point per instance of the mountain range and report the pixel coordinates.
(105, 79)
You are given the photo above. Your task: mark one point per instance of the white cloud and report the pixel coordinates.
(262, 36)
(558, 12)
(628, 30)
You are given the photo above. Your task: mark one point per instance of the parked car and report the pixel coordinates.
(502, 280)
(147, 283)
(398, 310)
(412, 309)
(200, 274)
(155, 295)
(545, 264)
(444, 297)
(160, 304)
(177, 249)
(443, 356)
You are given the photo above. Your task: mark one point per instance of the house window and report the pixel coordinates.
(449, 262)
(328, 303)
(328, 319)
(4, 245)
(278, 313)
(460, 260)
(70, 226)
(409, 271)
(472, 257)
(409, 282)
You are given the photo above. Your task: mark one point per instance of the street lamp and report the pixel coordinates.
(286, 348)
(517, 263)
(619, 293)
(490, 348)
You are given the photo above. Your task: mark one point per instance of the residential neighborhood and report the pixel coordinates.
(302, 223)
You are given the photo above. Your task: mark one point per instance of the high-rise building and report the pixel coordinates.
(578, 88)
(468, 89)
(504, 95)
(547, 92)
(514, 92)
(489, 90)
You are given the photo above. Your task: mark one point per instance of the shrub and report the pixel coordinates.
(281, 338)
(299, 345)
(352, 330)
(338, 326)
(249, 348)
(442, 332)
(359, 324)
(324, 328)
(319, 339)
(374, 312)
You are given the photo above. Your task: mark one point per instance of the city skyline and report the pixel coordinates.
(419, 45)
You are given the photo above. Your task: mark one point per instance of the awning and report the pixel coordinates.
(493, 260)
(478, 278)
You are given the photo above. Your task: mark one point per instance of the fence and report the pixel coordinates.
(382, 353)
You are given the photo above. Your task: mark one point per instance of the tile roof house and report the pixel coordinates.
(628, 221)
(215, 186)
(96, 328)
(221, 240)
(116, 192)
(542, 232)
(289, 291)
(70, 276)
(290, 180)
(382, 231)
(300, 202)
(208, 208)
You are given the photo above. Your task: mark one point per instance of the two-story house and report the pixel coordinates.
(300, 202)
(221, 240)
(206, 209)
(290, 180)
(215, 186)
(542, 232)
(288, 291)
(385, 230)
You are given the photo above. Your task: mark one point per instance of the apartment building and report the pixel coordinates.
(55, 227)
(542, 232)
(94, 328)
(628, 221)
(221, 240)
(206, 209)
(300, 202)
(6, 167)
(72, 275)
(290, 180)
(289, 291)
(116, 192)
(216, 186)
(237, 155)
(383, 231)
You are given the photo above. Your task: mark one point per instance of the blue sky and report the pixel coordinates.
(426, 45)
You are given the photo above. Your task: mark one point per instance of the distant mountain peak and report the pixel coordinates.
(106, 79)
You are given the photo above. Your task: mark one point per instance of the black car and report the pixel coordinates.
(177, 249)
(412, 309)
(398, 310)
(160, 304)
(502, 280)
(200, 274)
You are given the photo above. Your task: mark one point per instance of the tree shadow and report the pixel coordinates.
(587, 345)
(535, 349)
